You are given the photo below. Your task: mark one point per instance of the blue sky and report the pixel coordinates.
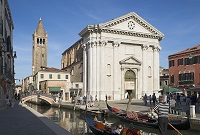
(178, 20)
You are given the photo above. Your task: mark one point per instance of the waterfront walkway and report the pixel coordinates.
(23, 120)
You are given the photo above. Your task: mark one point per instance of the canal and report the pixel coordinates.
(73, 121)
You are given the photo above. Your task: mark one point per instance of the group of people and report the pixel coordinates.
(181, 98)
(82, 100)
(151, 98)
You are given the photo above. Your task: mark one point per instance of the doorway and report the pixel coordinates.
(130, 83)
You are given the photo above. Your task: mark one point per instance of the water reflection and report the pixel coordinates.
(73, 121)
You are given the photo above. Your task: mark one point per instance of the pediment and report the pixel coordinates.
(131, 61)
(126, 23)
(130, 24)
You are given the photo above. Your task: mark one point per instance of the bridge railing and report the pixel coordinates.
(38, 94)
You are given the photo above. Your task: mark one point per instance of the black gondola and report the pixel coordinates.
(121, 114)
(99, 128)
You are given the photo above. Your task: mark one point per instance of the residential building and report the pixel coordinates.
(184, 68)
(7, 54)
(18, 89)
(27, 84)
(164, 77)
(52, 81)
(116, 57)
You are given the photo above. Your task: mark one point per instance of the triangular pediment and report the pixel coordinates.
(129, 24)
(131, 61)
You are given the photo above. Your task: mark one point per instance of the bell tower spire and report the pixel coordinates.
(39, 52)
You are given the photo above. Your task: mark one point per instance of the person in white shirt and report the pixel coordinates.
(172, 105)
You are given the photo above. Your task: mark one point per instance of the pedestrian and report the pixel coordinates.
(162, 109)
(145, 99)
(84, 100)
(12, 102)
(150, 98)
(96, 98)
(154, 99)
(15, 96)
(188, 100)
(7, 101)
(19, 96)
(172, 105)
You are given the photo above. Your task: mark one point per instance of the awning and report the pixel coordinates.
(194, 89)
(172, 90)
(54, 89)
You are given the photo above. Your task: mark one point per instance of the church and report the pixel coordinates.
(115, 58)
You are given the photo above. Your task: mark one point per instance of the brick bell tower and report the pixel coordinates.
(39, 51)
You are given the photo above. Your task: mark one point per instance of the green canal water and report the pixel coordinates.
(73, 121)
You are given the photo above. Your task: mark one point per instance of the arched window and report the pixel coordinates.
(40, 41)
(37, 40)
(43, 41)
(130, 75)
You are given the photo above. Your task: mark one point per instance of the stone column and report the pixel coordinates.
(115, 69)
(156, 78)
(122, 83)
(102, 71)
(84, 70)
(144, 69)
(90, 67)
(94, 70)
(98, 68)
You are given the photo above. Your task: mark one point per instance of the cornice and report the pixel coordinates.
(131, 33)
(122, 32)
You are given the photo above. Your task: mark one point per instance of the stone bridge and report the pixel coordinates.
(47, 98)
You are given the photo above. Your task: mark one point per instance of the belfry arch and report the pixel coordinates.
(130, 82)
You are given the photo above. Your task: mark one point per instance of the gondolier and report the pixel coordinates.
(162, 109)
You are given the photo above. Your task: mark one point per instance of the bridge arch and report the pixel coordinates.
(47, 99)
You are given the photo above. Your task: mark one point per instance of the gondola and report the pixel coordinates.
(99, 128)
(144, 121)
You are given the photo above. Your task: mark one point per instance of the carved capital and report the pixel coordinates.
(145, 47)
(92, 44)
(84, 47)
(156, 49)
(115, 44)
(103, 43)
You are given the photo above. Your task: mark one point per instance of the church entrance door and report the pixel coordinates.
(130, 83)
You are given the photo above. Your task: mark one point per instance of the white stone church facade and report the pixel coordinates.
(116, 57)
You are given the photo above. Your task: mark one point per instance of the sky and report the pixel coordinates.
(178, 20)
